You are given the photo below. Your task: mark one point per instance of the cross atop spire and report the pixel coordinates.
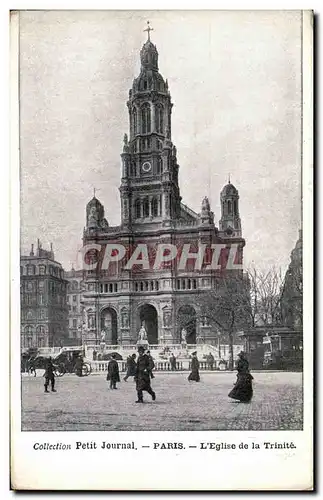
(229, 181)
(148, 29)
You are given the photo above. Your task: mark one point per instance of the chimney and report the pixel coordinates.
(32, 250)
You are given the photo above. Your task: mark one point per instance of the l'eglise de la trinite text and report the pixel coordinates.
(92, 445)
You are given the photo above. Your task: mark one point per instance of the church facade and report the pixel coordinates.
(168, 298)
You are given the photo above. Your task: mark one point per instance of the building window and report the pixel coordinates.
(110, 288)
(101, 288)
(116, 287)
(157, 285)
(183, 285)
(229, 207)
(138, 209)
(41, 285)
(136, 287)
(30, 270)
(74, 323)
(194, 284)
(145, 119)
(74, 309)
(159, 165)
(30, 286)
(141, 286)
(41, 299)
(42, 270)
(189, 286)
(159, 114)
(154, 207)
(146, 207)
(134, 117)
(74, 298)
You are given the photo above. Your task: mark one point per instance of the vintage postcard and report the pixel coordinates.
(162, 264)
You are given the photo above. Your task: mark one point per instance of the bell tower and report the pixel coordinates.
(149, 184)
(230, 221)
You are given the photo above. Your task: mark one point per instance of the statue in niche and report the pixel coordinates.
(184, 336)
(142, 336)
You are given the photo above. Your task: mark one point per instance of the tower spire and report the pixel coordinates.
(148, 29)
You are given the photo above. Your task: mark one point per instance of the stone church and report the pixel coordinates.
(117, 301)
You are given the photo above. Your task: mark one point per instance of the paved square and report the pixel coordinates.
(87, 404)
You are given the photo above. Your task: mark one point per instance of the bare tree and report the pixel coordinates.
(265, 296)
(227, 306)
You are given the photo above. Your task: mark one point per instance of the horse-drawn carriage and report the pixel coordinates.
(67, 360)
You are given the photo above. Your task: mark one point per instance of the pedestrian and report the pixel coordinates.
(194, 375)
(79, 366)
(31, 366)
(94, 355)
(49, 375)
(210, 361)
(152, 364)
(113, 372)
(242, 390)
(131, 367)
(142, 377)
(172, 361)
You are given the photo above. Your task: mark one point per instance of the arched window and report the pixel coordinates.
(235, 207)
(138, 209)
(159, 145)
(159, 114)
(134, 121)
(154, 207)
(229, 207)
(141, 286)
(146, 207)
(159, 165)
(145, 119)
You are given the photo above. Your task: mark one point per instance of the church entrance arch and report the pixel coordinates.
(147, 316)
(186, 320)
(109, 326)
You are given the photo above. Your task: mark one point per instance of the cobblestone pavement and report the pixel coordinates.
(88, 404)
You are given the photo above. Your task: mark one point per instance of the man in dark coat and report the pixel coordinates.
(49, 375)
(131, 367)
(79, 365)
(113, 372)
(172, 361)
(194, 375)
(210, 360)
(152, 364)
(142, 377)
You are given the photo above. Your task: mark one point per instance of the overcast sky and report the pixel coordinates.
(235, 81)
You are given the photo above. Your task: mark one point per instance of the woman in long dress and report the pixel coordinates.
(242, 390)
(194, 375)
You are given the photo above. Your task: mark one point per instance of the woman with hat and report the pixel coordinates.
(194, 375)
(242, 390)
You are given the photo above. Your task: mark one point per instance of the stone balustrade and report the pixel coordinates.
(160, 366)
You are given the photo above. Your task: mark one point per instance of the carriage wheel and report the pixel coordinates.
(86, 369)
(60, 370)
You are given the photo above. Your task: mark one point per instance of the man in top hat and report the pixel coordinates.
(194, 375)
(113, 372)
(142, 377)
